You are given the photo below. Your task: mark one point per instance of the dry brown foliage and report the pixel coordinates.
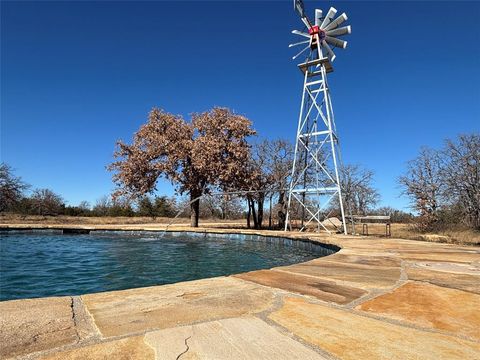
(211, 150)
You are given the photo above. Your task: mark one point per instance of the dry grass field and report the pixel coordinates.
(403, 231)
(454, 236)
(83, 220)
(408, 231)
(10, 219)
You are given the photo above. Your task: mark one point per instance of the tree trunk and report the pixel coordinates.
(194, 208)
(249, 213)
(476, 220)
(226, 208)
(303, 209)
(270, 215)
(254, 215)
(260, 202)
(281, 214)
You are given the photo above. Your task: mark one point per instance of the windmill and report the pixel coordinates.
(315, 181)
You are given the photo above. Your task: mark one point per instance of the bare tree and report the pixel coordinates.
(102, 206)
(423, 184)
(280, 159)
(232, 207)
(267, 177)
(357, 189)
(255, 182)
(460, 174)
(84, 206)
(396, 215)
(46, 202)
(11, 188)
(211, 150)
(211, 207)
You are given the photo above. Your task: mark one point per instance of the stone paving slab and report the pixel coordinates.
(449, 267)
(362, 276)
(382, 260)
(430, 306)
(132, 348)
(158, 307)
(351, 336)
(322, 289)
(454, 280)
(32, 325)
(455, 257)
(236, 338)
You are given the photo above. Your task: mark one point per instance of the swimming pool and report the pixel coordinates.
(50, 263)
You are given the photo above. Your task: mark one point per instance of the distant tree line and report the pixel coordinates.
(44, 202)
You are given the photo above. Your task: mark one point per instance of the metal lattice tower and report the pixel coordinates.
(315, 182)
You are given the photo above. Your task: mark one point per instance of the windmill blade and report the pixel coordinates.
(340, 31)
(318, 16)
(299, 7)
(335, 23)
(305, 21)
(330, 15)
(330, 52)
(297, 32)
(299, 43)
(336, 42)
(306, 47)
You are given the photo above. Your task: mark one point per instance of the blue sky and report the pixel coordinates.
(77, 76)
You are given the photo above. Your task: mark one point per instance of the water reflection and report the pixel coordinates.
(39, 264)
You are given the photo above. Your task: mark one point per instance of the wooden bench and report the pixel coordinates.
(364, 220)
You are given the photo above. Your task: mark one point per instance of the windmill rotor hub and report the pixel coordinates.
(314, 30)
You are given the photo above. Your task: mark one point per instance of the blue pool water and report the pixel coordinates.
(36, 264)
